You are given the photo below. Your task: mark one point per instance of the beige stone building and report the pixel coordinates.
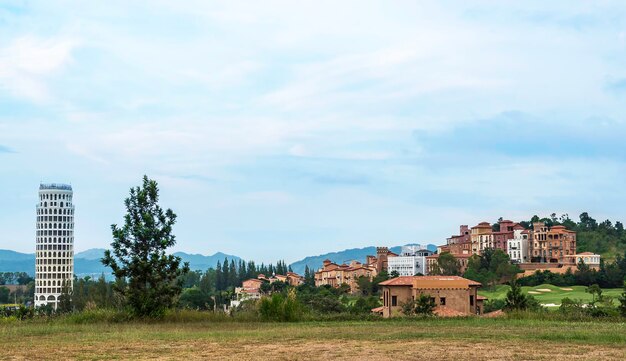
(482, 237)
(551, 245)
(335, 275)
(452, 293)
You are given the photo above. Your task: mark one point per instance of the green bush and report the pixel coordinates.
(280, 308)
(493, 305)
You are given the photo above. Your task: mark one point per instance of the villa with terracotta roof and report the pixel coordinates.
(452, 294)
(482, 237)
(551, 245)
(335, 275)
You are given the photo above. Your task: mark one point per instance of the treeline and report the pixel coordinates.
(15, 278)
(227, 274)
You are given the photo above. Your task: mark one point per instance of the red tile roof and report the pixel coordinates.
(430, 281)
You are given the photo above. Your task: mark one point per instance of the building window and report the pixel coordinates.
(471, 300)
(442, 301)
(394, 301)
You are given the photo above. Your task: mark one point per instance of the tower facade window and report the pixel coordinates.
(54, 257)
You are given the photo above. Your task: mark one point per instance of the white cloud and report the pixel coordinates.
(26, 63)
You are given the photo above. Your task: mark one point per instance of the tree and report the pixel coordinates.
(195, 298)
(139, 256)
(515, 299)
(424, 305)
(394, 274)
(365, 286)
(447, 265)
(65, 299)
(4, 294)
(622, 302)
(596, 293)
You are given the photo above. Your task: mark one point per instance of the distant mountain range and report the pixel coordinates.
(87, 263)
(345, 256)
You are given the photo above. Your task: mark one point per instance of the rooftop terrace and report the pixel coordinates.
(59, 186)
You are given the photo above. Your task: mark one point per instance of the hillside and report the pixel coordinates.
(345, 256)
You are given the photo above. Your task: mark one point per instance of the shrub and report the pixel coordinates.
(281, 308)
(424, 305)
(494, 305)
(364, 305)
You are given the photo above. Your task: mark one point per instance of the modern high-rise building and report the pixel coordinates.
(54, 266)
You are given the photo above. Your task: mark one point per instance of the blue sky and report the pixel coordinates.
(280, 129)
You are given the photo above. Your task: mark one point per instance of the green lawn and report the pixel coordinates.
(400, 339)
(554, 296)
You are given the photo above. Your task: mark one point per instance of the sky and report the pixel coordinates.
(282, 129)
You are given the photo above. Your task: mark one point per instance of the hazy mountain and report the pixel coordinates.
(8, 255)
(345, 256)
(91, 254)
(87, 263)
(201, 262)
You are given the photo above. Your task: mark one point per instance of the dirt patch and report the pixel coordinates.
(323, 350)
(498, 313)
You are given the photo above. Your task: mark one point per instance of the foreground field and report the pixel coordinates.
(442, 339)
(550, 294)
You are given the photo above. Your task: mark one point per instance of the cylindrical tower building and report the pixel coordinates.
(54, 266)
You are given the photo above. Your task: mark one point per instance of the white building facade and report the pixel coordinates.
(517, 248)
(54, 265)
(410, 262)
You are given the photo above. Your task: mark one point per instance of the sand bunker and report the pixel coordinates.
(544, 290)
(567, 289)
(550, 305)
(534, 293)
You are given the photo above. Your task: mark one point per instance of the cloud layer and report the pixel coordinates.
(284, 129)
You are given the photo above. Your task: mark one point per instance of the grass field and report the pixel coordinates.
(554, 296)
(441, 339)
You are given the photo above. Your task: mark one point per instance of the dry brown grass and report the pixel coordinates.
(418, 340)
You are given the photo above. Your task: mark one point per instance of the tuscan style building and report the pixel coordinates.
(448, 292)
(461, 243)
(551, 245)
(482, 237)
(335, 275)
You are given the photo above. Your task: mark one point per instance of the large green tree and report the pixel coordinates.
(138, 254)
(447, 265)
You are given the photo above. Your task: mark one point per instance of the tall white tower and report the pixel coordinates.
(54, 266)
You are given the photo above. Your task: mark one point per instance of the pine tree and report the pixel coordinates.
(225, 275)
(219, 277)
(138, 253)
(515, 299)
(232, 274)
